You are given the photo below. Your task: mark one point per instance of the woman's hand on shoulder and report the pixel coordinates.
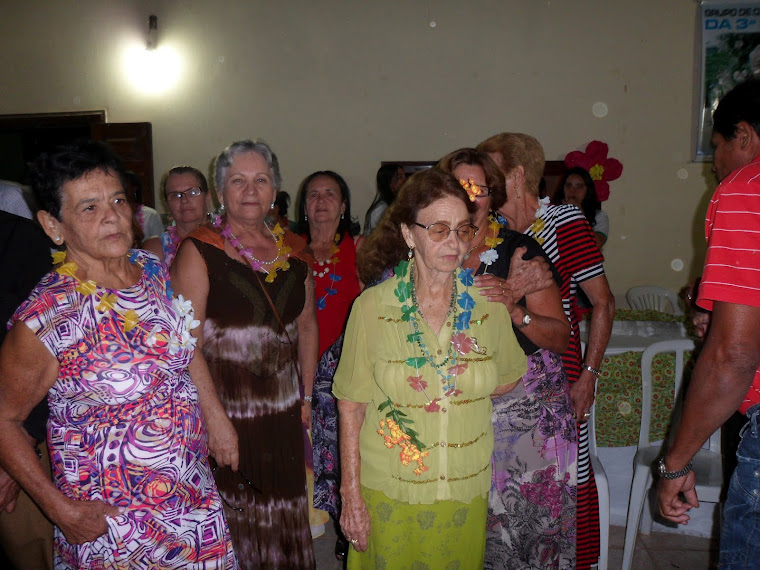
(496, 290)
(84, 521)
(527, 276)
(354, 520)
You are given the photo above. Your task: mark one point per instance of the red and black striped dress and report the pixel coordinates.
(568, 240)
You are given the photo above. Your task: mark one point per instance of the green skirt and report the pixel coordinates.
(445, 535)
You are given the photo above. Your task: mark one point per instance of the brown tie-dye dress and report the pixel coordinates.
(252, 363)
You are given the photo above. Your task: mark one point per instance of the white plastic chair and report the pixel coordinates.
(603, 491)
(707, 462)
(645, 297)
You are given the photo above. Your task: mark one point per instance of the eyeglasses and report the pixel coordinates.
(475, 190)
(440, 231)
(255, 489)
(190, 193)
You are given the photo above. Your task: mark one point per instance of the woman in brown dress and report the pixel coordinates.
(253, 292)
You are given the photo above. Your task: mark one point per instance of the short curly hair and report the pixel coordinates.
(518, 149)
(71, 161)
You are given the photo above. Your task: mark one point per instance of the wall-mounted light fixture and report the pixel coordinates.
(150, 68)
(152, 31)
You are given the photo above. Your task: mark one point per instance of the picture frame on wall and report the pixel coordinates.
(729, 41)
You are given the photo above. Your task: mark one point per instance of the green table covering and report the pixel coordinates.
(618, 395)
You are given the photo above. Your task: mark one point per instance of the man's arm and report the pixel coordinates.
(722, 376)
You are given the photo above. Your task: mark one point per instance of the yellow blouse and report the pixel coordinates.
(456, 431)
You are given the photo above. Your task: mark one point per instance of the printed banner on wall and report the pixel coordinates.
(730, 55)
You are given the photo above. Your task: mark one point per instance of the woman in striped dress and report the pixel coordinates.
(568, 240)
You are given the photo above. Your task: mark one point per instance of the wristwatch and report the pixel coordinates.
(525, 320)
(665, 474)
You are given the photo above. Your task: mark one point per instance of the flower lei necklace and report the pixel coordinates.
(492, 240)
(171, 244)
(109, 301)
(278, 263)
(400, 428)
(538, 225)
(332, 289)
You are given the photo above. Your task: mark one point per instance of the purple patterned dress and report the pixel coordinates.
(125, 424)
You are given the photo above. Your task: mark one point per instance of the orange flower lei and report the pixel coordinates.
(409, 451)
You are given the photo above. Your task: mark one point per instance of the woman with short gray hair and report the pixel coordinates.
(253, 288)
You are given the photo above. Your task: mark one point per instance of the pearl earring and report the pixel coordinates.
(305, 218)
(222, 208)
(271, 205)
(342, 216)
(410, 253)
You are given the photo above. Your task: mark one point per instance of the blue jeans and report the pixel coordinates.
(740, 537)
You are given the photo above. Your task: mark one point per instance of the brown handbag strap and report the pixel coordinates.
(293, 354)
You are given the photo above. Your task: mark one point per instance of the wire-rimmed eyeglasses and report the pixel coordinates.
(439, 231)
(190, 193)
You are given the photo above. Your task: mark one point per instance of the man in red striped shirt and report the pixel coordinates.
(726, 375)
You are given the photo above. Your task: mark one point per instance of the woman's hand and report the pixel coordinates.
(496, 290)
(222, 441)
(582, 395)
(354, 521)
(84, 521)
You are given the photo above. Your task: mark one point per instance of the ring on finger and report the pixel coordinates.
(587, 415)
(354, 541)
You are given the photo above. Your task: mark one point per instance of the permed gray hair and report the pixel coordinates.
(225, 158)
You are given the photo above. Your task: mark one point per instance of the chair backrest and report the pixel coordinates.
(645, 297)
(679, 347)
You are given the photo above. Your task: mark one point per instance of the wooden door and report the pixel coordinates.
(133, 142)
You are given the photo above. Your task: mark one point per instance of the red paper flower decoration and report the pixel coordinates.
(601, 168)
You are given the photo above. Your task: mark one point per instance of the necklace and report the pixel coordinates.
(108, 301)
(279, 262)
(332, 288)
(418, 334)
(400, 428)
(492, 240)
(538, 225)
(170, 244)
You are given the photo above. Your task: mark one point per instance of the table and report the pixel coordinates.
(618, 393)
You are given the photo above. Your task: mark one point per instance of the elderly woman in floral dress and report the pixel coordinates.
(103, 337)
(531, 513)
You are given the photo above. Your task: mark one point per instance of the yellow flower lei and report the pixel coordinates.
(107, 301)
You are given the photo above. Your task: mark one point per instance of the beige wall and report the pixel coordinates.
(343, 85)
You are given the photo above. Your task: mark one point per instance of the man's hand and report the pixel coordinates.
(668, 497)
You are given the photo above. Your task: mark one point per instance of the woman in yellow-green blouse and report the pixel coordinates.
(423, 353)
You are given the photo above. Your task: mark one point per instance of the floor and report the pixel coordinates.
(657, 551)
(664, 550)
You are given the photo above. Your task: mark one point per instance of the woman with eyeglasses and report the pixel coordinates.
(422, 354)
(189, 201)
(531, 514)
(252, 286)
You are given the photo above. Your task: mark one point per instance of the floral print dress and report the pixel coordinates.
(125, 423)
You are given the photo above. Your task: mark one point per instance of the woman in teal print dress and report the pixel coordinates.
(105, 339)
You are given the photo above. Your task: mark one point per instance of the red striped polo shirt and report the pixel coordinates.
(732, 265)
